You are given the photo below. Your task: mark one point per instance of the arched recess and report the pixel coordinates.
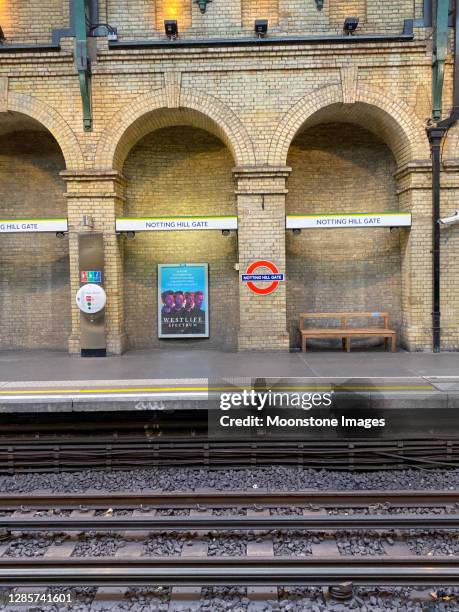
(177, 162)
(152, 111)
(344, 158)
(34, 268)
(53, 122)
(388, 118)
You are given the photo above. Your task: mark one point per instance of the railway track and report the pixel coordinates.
(135, 518)
(229, 572)
(222, 499)
(242, 523)
(47, 453)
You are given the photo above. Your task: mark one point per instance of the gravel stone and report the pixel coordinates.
(113, 513)
(293, 511)
(29, 545)
(362, 543)
(170, 545)
(292, 543)
(225, 545)
(229, 512)
(146, 599)
(433, 543)
(220, 599)
(173, 512)
(93, 544)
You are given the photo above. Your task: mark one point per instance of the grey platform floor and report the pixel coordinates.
(198, 364)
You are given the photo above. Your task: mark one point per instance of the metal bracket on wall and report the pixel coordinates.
(203, 5)
(82, 23)
(440, 50)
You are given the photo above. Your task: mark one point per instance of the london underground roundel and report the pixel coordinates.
(91, 298)
(254, 274)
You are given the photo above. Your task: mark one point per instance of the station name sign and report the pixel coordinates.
(161, 224)
(386, 219)
(25, 226)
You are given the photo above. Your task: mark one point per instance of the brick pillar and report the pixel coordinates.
(415, 196)
(99, 194)
(261, 196)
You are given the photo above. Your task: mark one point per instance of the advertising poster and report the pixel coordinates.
(183, 301)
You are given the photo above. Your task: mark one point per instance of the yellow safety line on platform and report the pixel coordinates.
(234, 389)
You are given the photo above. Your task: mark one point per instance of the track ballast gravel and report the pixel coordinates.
(280, 478)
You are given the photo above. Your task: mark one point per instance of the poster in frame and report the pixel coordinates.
(183, 300)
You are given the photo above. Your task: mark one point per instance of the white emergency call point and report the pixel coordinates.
(91, 298)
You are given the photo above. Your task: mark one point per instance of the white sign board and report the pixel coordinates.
(386, 219)
(91, 298)
(159, 224)
(21, 226)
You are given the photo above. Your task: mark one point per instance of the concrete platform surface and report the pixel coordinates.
(195, 363)
(160, 379)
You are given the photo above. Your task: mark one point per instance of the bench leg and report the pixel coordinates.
(344, 344)
(394, 344)
(303, 344)
(348, 344)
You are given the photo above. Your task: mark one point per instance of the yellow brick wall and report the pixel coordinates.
(34, 269)
(260, 9)
(31, 21)
(180, 171)
(340, 9)
(129, 17)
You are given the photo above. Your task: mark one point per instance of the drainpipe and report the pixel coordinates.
(93, 12)
(435, 136)
(81, 21)
(436, 133)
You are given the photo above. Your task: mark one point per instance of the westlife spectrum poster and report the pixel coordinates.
(183, 301)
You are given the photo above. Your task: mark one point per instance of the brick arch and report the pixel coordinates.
(53, 122)
(151, 112)
(390, 119)
(451, 144)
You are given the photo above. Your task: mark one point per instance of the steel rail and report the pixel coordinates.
(243, 571)
(223, 499)
(126, 443)
(184, 441)
(240, 523)
(115, 456)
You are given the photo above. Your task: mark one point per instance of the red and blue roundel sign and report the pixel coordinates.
(252, 276)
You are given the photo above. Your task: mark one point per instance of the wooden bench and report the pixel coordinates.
(346, 333)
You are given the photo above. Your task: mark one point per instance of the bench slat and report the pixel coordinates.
(349, 331)
(336, 315)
